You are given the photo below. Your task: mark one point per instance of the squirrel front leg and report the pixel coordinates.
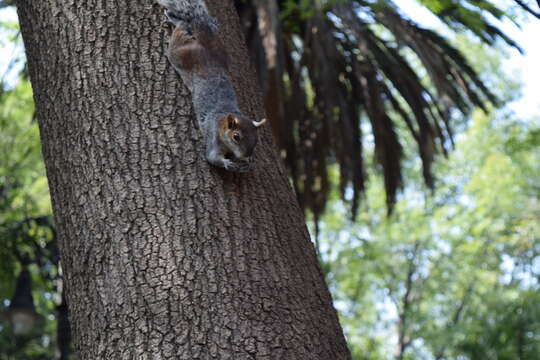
(216, 157)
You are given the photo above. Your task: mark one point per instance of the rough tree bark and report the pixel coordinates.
(164, 256)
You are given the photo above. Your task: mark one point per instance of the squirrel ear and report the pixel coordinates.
(231, 121)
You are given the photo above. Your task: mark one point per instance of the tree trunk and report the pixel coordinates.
(270, 32)
(164, 256)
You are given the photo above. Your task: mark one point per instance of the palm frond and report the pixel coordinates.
(342, 66)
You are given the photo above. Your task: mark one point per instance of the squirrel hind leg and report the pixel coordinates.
(205, 22)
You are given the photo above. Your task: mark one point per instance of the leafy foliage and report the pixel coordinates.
(462, 282)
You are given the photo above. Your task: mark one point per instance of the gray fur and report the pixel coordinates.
(223, 102)
(197, 8)
(178, 16)
(213, 95)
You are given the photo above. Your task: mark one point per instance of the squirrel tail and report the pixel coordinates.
(184, 11)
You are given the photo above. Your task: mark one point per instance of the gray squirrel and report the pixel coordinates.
(198, 55)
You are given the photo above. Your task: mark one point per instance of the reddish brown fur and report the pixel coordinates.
(223, 126)
(199, 51)
(229, 122)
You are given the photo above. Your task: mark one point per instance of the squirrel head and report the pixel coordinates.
(239, 135)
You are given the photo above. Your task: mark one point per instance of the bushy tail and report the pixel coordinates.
(184, 11)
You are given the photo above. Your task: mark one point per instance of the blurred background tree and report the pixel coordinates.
(452, 276)
(27, 235)
(355, 90)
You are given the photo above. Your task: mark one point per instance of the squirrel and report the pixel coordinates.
(197, 54)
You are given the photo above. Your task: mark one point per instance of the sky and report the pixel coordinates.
(525, 67)
(528, 67)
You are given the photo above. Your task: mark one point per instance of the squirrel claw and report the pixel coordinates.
(240, 166)
(244, 166)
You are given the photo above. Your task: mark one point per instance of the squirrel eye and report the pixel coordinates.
(237, 137)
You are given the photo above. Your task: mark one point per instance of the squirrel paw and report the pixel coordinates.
(237, 166)
(244, 165)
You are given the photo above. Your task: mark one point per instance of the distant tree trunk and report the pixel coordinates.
(270, 32)
(164, 256)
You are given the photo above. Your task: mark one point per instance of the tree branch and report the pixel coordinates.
(403, 341)
(457, 316)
